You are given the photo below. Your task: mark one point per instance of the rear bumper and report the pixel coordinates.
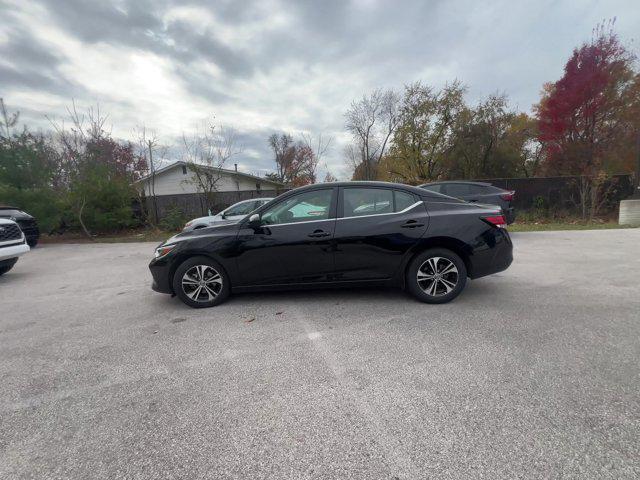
(13, 251)
(496, 258)
(510, 215)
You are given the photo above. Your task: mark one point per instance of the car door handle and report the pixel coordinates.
(412, 224)
(319, 234)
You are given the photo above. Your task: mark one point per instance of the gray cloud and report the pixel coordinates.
(268, 65)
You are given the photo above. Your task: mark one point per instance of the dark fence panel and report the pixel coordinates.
(553, 192)
(193, 205)
(557, 192)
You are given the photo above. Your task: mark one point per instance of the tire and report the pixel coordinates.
(32, 242)
(447, 286)
(216, 282)
(7, 265)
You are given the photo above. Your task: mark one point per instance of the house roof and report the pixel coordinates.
(223, 170)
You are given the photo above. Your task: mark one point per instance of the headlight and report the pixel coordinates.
(163, 250)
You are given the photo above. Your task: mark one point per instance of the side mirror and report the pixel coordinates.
(223, 216)
(254, 220)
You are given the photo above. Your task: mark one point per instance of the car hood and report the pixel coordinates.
(14, 213)
(220, 229)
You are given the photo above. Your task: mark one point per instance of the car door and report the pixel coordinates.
(292, 244)
(376, 227)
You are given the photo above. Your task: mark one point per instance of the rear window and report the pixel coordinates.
(458, 189)
(433, 188)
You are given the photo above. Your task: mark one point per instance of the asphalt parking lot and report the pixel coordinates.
(532, 373)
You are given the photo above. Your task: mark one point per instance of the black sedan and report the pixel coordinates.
(339, 234)
(477, 192)
(27, 223)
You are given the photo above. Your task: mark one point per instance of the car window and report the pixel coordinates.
(240, 209)
(403, 200)
(458, 189)
(433, 188)
(303, 207)
(366, 201)
(478, 189)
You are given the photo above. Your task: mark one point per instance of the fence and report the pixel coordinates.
(558, 192)
(193, 205)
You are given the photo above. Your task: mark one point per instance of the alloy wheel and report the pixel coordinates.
(201, 283)
(437, 276)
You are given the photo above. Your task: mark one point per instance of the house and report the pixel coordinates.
(174, 188)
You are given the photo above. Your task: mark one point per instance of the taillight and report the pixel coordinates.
(508, 196)
(496, 221)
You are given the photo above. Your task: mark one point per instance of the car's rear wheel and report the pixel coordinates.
(436, 275)
(201, 282)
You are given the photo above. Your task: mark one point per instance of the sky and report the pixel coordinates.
(268, 66)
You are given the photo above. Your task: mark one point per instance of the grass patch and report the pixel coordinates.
(149, 235)
(574, 225)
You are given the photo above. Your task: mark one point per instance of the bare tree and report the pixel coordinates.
(206, 153)
(84, 129)
(372, 121)
(282, 146)
(329, 177)
(8, 120)
(150, 149)
(319, 146)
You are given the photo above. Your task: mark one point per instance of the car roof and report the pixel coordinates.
(8, 207)
(252, 200)
(444, 182)
(361, 183)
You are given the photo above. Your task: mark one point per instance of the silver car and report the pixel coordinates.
(231, 214)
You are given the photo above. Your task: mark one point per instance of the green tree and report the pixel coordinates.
(483, 146)
(29, 167)
(425, 133)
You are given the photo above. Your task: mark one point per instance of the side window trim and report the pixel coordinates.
(340, 205)
(332, 209)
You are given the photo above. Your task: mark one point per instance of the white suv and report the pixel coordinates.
(231, 214)
(12, 244)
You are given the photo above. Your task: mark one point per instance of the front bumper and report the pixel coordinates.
(161, 274)
(13, 251)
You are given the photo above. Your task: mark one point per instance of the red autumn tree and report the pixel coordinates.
(296, 162)
(589, 118)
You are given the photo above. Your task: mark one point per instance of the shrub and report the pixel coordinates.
(174, 220)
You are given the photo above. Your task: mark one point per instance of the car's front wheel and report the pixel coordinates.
(436, 275)
(201, 282)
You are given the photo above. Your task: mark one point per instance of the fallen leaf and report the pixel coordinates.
(279, 313)
(250, 320)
